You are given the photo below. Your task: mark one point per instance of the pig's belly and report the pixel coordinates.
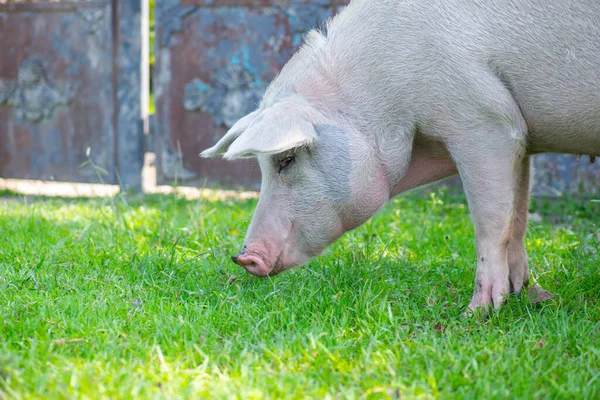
(577, 132)
(561, 118)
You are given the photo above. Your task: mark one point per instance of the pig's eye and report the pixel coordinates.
(286, 162)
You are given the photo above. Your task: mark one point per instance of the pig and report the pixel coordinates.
(396, 94)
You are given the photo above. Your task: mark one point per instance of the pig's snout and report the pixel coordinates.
(253, 264)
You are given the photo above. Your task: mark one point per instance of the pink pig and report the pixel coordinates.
(399, 94)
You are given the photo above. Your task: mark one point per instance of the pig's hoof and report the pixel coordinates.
(488, 294)
(537, 294)
(517, 279)
(480, 312)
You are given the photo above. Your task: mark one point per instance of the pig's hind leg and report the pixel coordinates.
(518, 262)
(517, 254)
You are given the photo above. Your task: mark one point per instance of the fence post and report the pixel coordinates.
(127, 27)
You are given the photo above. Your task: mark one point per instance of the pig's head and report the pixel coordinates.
(319, 180)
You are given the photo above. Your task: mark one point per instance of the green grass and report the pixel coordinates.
(136, 298)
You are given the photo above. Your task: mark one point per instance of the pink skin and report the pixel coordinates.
(271, 249)
(253, 264)
(430, 162)
(277, 236)
(274, 243)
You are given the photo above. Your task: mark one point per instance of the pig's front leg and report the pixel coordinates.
(489, 164)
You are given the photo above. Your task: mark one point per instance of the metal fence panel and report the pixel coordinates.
(69, 91)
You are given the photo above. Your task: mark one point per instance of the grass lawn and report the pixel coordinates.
(136, 298)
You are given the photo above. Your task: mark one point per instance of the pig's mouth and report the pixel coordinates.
(255, 264)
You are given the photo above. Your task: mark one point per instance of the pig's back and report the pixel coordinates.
(546, 52)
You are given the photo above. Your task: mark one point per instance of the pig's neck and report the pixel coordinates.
(340, 90)
(429, 162)
(406, 159)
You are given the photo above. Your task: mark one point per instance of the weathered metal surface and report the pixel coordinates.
(69, 82)
(33, 95)
(214, 61)
(127, 31)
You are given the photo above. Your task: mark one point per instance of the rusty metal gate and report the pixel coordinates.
(70, 91)
(214, 59)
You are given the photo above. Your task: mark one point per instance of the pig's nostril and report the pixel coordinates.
(236, 259)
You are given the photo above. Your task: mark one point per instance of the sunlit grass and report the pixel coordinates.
(136, 298)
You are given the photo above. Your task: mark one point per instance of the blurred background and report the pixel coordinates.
(126, 93)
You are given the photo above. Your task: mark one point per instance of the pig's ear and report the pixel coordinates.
(236, 130)
(279, 129)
